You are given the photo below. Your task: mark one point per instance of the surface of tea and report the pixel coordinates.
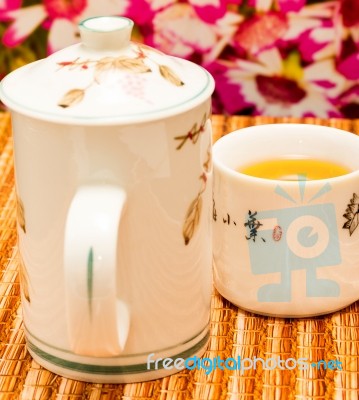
(294, 168)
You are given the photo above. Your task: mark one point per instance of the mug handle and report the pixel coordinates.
(98, 321)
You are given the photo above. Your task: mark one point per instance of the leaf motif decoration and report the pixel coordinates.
(346, 224)
(192, 219)
(207, 165)
(351, 209)
(20, 214)
(170, 76)
(24, 280)
(105, 63)
(103, 66)
(354, 224)
(143, 46)
(136, 65)
(72, 97)
(110, 64)
(352, 214)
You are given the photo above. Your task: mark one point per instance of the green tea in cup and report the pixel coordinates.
(293, 168)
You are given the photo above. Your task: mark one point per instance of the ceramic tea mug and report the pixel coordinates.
(112, 145)
(286, 247)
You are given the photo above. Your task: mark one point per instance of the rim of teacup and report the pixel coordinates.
(226, 144)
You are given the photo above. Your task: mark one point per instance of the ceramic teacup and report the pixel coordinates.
(286, 247)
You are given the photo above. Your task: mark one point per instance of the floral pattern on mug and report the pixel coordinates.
(193, 134)
(194, 210)
(106, 66)
(352, 214)
(24, 279)
(20, 214)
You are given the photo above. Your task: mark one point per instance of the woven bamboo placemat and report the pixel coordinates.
(233, 331)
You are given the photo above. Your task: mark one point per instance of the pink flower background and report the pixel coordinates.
(268, 57)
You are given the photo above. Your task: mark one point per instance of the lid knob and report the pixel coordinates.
(106, 33)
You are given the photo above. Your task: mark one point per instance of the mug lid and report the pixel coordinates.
(106, 79)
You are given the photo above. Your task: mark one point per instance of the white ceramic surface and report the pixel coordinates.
(286, 248)
(114, 206)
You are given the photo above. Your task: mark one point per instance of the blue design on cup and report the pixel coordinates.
(309, 240)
